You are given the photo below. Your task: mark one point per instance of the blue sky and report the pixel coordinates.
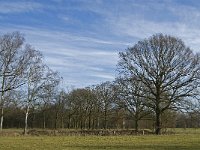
(81, 38)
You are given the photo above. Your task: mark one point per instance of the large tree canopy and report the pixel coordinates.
(167, 68)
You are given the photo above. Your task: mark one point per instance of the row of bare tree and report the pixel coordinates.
(158, 82)
(95, 107)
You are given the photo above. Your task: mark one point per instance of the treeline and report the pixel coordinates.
(156, 87)
(80, 109)
(84, 109)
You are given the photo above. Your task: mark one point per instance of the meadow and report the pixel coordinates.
(184, 139)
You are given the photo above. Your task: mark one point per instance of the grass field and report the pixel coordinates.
(184, 139)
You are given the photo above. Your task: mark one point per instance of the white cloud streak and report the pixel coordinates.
(80, 66)
(85, 59)
(18, 7)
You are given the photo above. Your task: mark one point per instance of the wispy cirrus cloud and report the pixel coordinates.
(139, 20)
(18, 6)
(141, 29)
(81, 39)
(81, 60)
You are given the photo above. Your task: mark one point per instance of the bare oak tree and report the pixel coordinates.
(166, 67)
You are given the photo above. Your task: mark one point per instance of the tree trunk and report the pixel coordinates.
(44, 120)
(136, 126)
(1, 124)
(98, 124)
(26, 120)
(158, 112)
(81, 123)
(2, 101)
(89, 121)
(105, 119)
(93, 123)
(158, 123)
(69, 122)
(85, 123)
(56, 120)
(62, 122)
(123, 123)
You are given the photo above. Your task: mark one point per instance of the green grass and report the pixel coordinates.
(148, 142)
(184, 130)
